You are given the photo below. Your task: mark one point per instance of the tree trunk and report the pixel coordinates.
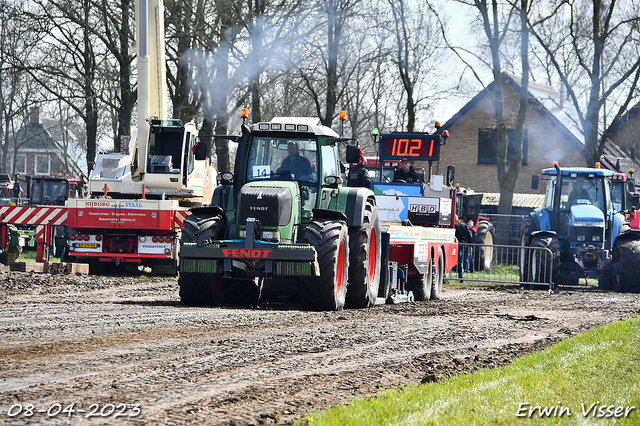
(334, 32)
(127, 98)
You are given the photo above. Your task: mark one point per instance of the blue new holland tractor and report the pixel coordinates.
(579, 234)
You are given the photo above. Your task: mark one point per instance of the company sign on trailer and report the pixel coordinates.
(135, 214)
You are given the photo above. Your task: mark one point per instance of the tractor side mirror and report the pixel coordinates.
(534, 181)
(631, 186)
(201, 150)
(352, 156)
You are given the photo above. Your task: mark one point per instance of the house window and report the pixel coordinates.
(42, 164)
(21, 164)
(488, 146)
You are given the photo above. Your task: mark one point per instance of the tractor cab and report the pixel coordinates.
(52, 191)
(290, 158)
(579, 201)
(284, 170)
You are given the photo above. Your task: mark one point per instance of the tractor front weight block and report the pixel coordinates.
(291, 260)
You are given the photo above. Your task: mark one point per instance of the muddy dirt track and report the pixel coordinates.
(125, 351)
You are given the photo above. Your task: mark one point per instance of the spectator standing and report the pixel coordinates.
(464, 237)
(16, 189)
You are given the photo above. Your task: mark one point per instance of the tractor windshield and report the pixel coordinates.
(582, 189)
(283, 158)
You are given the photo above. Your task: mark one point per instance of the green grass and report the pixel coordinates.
(30, 256)
(601, 366)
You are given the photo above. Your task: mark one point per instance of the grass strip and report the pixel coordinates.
(591, 378)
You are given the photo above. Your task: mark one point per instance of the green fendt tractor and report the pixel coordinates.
(282, 223)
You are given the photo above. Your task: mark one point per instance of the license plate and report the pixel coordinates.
(87, 245)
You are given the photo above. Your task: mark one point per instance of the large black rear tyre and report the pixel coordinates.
(485, 255)
(629, 258)
(328, 291)
(204, 224)
(364, 260)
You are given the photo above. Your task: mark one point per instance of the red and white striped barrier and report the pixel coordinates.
(16, 215)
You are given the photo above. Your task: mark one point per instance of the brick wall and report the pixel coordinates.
(546, 145)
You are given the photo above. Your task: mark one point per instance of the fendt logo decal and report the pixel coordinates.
(244, 253)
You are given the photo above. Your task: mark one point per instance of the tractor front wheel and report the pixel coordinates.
(420, 284)
(606, 279)
(327, 292)
(438, 277)
(364, 260)
(541, 265)
(199, 289)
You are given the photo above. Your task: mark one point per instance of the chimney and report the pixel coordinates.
(35, 116)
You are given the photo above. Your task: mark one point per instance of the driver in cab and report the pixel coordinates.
(295, 162)
(405, 172)
(578, 192)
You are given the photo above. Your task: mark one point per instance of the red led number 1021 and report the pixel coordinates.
(409, 148)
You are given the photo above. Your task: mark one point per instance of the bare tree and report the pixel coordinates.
(116, 35)
(508, 163)
(16, 44)
(329, 60)
(496, 21)
(597, 59)
(417, 41)
(70, 57)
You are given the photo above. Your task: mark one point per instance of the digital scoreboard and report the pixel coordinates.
(422, 147)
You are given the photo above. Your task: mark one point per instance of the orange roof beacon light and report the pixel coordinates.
(555, 163)
(59, 174)
(597, 164)
(631, 171)
(342, 115)
(244, 114)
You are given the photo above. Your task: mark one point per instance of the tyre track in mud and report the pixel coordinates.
(116, 340)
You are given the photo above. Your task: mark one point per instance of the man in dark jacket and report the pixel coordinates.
(464, 237)
(295, 162)
(406, 172)
(358, 173)
(16, 189)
